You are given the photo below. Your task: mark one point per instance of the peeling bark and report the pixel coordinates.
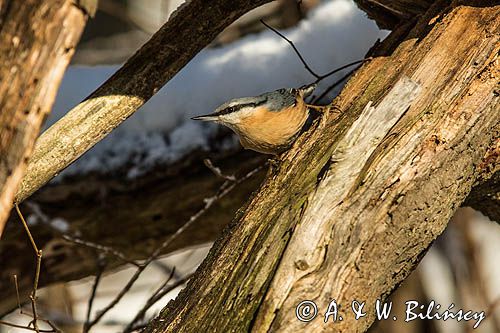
(37, 41)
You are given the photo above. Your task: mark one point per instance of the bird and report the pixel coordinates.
(268, 123)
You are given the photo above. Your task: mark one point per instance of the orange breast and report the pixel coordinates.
(267, 131)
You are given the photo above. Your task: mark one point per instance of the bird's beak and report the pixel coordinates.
(206, 117)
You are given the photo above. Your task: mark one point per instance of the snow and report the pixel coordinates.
(335, 33)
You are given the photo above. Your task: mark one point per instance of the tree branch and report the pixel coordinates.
(193, 26)
(32, 63)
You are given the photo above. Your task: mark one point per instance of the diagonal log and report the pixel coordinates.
(308, 234)
(37, 41)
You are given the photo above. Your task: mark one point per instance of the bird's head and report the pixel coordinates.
(275, 101)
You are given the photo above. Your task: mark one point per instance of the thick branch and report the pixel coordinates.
(310, 234)
(37, 41)
(189, 29)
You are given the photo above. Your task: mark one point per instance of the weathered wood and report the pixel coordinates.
(307, 234)
(193, 26)
(37, 41)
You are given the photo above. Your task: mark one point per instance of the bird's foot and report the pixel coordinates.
(274, 162)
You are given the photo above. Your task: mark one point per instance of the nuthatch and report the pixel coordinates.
(268, 123)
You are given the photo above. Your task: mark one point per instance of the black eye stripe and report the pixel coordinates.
(238, 107)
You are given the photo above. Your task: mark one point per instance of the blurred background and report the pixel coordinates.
(462, 266)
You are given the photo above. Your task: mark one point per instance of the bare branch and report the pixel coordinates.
(100, 269)
(217, 171)
(130, 87)
(318, 77)
(155, 297)
(33, 325)
(209, 202)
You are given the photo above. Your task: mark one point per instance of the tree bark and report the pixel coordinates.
(356, 202)
(193, 26)
(37, 41)
(485, 196)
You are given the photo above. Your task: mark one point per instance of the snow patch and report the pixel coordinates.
(335, 33)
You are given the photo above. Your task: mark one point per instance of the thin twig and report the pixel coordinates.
(313, 73)
(17, 294)
(100, 247)
(100, 269)
(306, 65)
(157, 294)
(35, 288)
(134, 326)
(217, 170)
(344, 67)
(225, 188)
(26, 228)
(32, 297)
(166, 269)
(77, 240)
(38, 252)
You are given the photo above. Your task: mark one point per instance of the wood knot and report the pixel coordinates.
(301, 265)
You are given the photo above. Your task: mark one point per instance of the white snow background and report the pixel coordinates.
(333, 34)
